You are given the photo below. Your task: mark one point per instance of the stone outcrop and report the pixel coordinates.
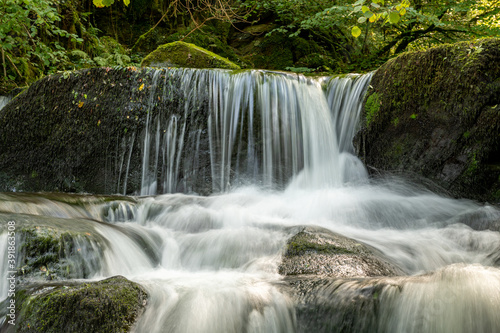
(436, 113)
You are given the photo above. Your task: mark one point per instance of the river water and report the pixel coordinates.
(210, 263)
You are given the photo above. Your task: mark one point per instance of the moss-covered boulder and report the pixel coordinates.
(181, 54)
(436, 113)
(318, 251)
(111, 305)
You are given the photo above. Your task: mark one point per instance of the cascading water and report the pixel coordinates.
(3, 101)
(261, 128)
(279, 154)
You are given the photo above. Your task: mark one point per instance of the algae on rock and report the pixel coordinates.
(181, 54)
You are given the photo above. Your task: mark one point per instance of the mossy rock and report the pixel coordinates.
(318, 251)
(212, 37)
(436, 113)
(181, 54)
(70, 131)
(111, 305)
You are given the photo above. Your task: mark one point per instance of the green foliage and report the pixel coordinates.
(107, 3)
(378, 10)
(29, 30)
(372, 31)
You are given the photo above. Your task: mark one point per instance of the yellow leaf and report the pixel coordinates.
(126, 2)
(356, 32)
(373, 18)
(141, 87)
(98, 3)
(80, 104)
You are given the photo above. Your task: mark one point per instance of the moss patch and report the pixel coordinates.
(372, 106)
(181, 54)
(111, 305)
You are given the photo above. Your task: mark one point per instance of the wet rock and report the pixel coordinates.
(326, 304)
(181, 54)
(82, 131)
(318, 251)
(53, 249)
(437, 113)
(448, 300)
(111, 305)
(330, 278)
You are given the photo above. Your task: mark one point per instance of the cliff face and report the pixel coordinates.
(437, 114)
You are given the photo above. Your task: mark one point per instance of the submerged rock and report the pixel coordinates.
(437, 113)
(53, 249)
(181, 54)
(318, 251)
(448, 300)
(111, 305)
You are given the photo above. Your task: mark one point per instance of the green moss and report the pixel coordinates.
(181, 54)
(111, 305)
(395, 122)
(473, 165)
(372, 107)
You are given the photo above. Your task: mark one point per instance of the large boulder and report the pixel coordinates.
(334, 280)
(318, 251)
(436, 113)
(181, 54)
(83, 131)
(111, 305)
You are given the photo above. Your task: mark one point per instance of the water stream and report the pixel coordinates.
(281, 156)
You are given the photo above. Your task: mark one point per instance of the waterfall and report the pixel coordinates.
(274, 151)
(261, 128)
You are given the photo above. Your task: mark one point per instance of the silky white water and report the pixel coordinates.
(210, 263)
(3, 101)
